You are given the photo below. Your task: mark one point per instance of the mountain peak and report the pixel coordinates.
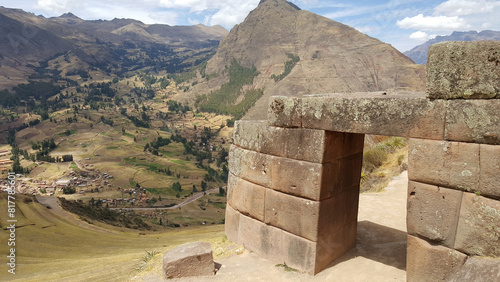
(280, 2)
(69, 16)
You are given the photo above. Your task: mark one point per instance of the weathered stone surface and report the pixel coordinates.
(469, 70)
(336, 213)
(404, 114)
(246, 197)
(277, 245)
(299, 178)
(478, 229)
(299, 144)
(335, 245)
(479, 269)
(232, 223)
(315, 221)
(489, 176)
(293, 214)
(473, 121)
(191, 259)
(448, 164)
(285, 111)
(425, 262)
(249, 165)
(247, 134)
(433, 212)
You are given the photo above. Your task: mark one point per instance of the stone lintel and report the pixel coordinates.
(464, 70)
(406, 114)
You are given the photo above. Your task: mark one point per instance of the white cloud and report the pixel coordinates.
(465, 7)
(421, 36)
(422, 22)
(230, 15)
(57, 7)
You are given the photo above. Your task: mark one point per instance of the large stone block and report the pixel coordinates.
(478, 229)
(489, 177)
(463, 70)
(336, 213)
(285, 111)
(473, 121)
(433, 212)
(315, 181)
(277, 245)
(247, 134)
(293, 214)
(246, 197)
(315, 221)
(232, 223)
(299, 143)
(191, 259)
(406, 114)
(479, 269)
(299, 178)
(442, 163)
(426, 262)
(335, 245)
(249, 165)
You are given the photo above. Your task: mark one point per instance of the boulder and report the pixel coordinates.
(191, 259)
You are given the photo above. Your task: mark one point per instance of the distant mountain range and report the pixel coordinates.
(28, 42)
(419, 53)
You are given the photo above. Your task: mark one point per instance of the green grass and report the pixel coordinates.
(71, 132)
(128, 135)
(180, 162)
(112, 147)
(223, 101)
(153, 167)
(73, 166)
(219, 205)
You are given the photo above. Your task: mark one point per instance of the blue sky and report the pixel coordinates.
(402, 23)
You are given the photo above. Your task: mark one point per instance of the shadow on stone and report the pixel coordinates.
(379, 243)
(217, 266)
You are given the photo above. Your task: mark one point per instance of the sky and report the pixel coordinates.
(402, 23)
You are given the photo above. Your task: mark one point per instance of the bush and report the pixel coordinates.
(374, 158)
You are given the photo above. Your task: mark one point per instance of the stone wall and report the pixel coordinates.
(294, 179)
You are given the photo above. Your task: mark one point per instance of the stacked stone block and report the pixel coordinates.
(294, 183)
(293, 193)
(453, 217)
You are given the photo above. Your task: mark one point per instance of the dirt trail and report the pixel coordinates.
(380, 253)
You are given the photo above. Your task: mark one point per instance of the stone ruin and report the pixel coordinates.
(294, 179)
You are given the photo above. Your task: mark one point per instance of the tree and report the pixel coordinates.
(222, 191)
(194, 189)
(203, 185)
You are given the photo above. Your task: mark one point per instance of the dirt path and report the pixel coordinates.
(380, 253)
